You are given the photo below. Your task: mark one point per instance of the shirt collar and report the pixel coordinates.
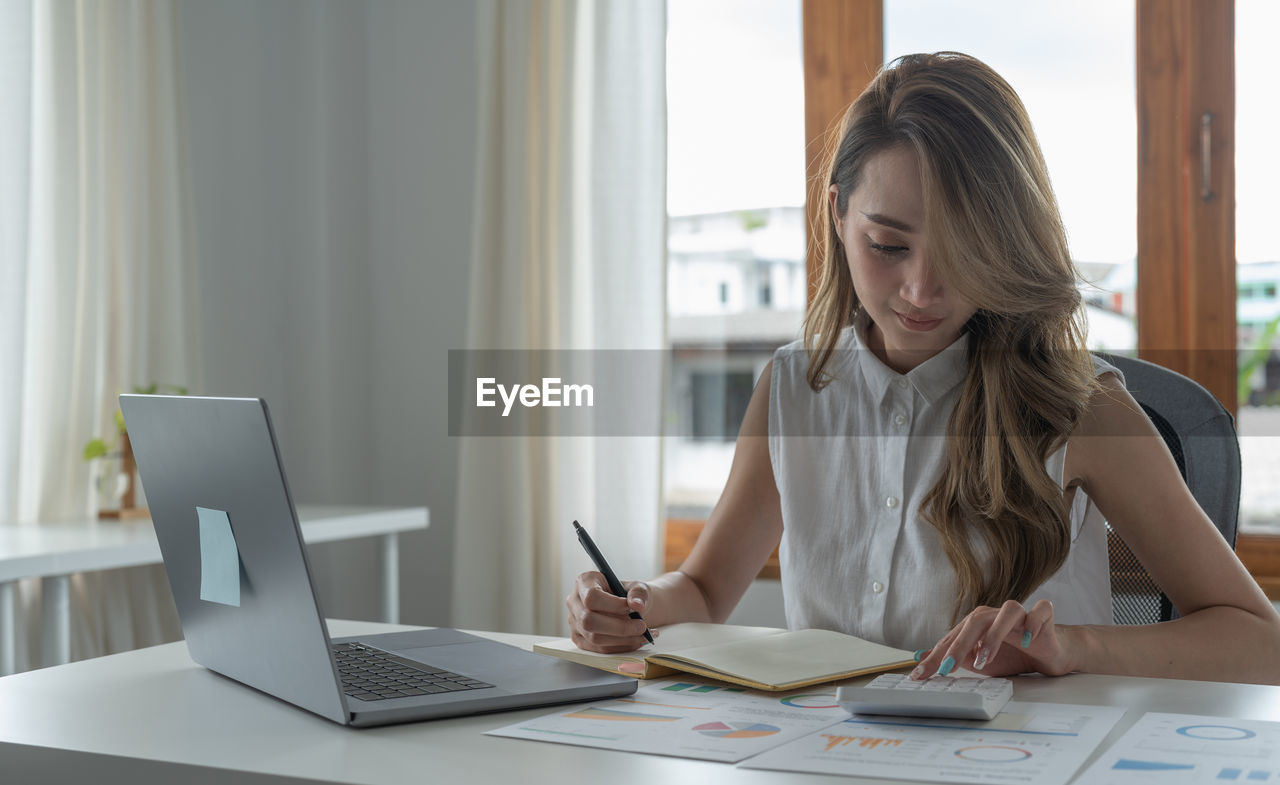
(932, 378)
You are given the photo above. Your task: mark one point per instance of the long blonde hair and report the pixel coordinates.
(996, 238)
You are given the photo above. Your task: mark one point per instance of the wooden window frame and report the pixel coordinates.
(1186, 267)
(1186, 292)
(1186, 289)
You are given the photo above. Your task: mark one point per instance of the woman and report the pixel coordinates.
(938, 456)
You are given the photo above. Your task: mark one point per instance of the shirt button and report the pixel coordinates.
(891, 502)
(877, 587)
(898, 419)
(902, 383)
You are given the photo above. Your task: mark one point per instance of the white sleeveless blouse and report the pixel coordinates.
(853, 464)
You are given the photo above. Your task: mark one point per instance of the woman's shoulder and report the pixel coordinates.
(1102, 368)
(1111, 410)
(790, 352)
(795, 356)
(795, 402)
(789, 367)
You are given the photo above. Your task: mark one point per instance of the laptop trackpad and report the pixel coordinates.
(503, 666)
(459, 657)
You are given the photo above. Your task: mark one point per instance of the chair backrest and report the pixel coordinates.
(1202, 437)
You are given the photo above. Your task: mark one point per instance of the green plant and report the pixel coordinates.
(753, 219)
(99, 448)
(1257, 355)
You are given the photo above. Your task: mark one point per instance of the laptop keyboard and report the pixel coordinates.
(372, 675)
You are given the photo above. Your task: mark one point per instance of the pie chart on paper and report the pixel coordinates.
(736, 730)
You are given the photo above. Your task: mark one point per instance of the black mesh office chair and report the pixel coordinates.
(1202, 437)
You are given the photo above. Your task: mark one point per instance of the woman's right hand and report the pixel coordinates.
(599, 621)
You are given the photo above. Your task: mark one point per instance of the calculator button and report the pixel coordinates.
(940, 696)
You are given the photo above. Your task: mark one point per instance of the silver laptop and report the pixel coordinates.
(238, 568)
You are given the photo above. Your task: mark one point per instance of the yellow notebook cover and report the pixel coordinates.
(762, 658)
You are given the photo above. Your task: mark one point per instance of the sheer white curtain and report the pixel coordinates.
(16, 28)
(15, 169)
(569, 254)
(104, 298)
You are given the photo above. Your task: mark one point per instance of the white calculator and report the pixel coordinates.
(939, 696)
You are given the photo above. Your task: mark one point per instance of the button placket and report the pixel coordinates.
(895, 412)
(901, 405)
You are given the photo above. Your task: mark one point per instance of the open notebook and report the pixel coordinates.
(763, 658)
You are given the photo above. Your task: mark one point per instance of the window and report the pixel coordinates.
(736, 242)
(1258, 265)
(719, 402)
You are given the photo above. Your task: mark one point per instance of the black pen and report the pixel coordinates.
(615, 585)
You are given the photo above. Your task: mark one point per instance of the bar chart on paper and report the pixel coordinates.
(1042, 743)
(1183, 748)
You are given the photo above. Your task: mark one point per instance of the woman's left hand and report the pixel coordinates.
(1000, 642)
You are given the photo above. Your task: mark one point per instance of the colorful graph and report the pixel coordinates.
(1125, 764)
(736, 730)
(665, 705)
(1256, 775)
(1216, 732)
(570, 734)
(816, 701)
(864, 742)
(993, 753)
(595, 713)
(698, 688)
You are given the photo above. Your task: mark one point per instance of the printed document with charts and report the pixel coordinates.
(687, 718)
(762, 658)
(806, 730)
(1041, 743)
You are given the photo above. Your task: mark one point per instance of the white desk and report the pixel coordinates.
(154, 716)
(54, 551)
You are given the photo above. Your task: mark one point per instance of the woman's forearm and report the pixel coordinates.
(1186, 648)
(675, 597)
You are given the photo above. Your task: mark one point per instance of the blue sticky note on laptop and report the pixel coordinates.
(219, 558)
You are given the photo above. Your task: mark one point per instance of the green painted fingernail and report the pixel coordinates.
(919, 655)
(946, 666)
(1026, 639)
